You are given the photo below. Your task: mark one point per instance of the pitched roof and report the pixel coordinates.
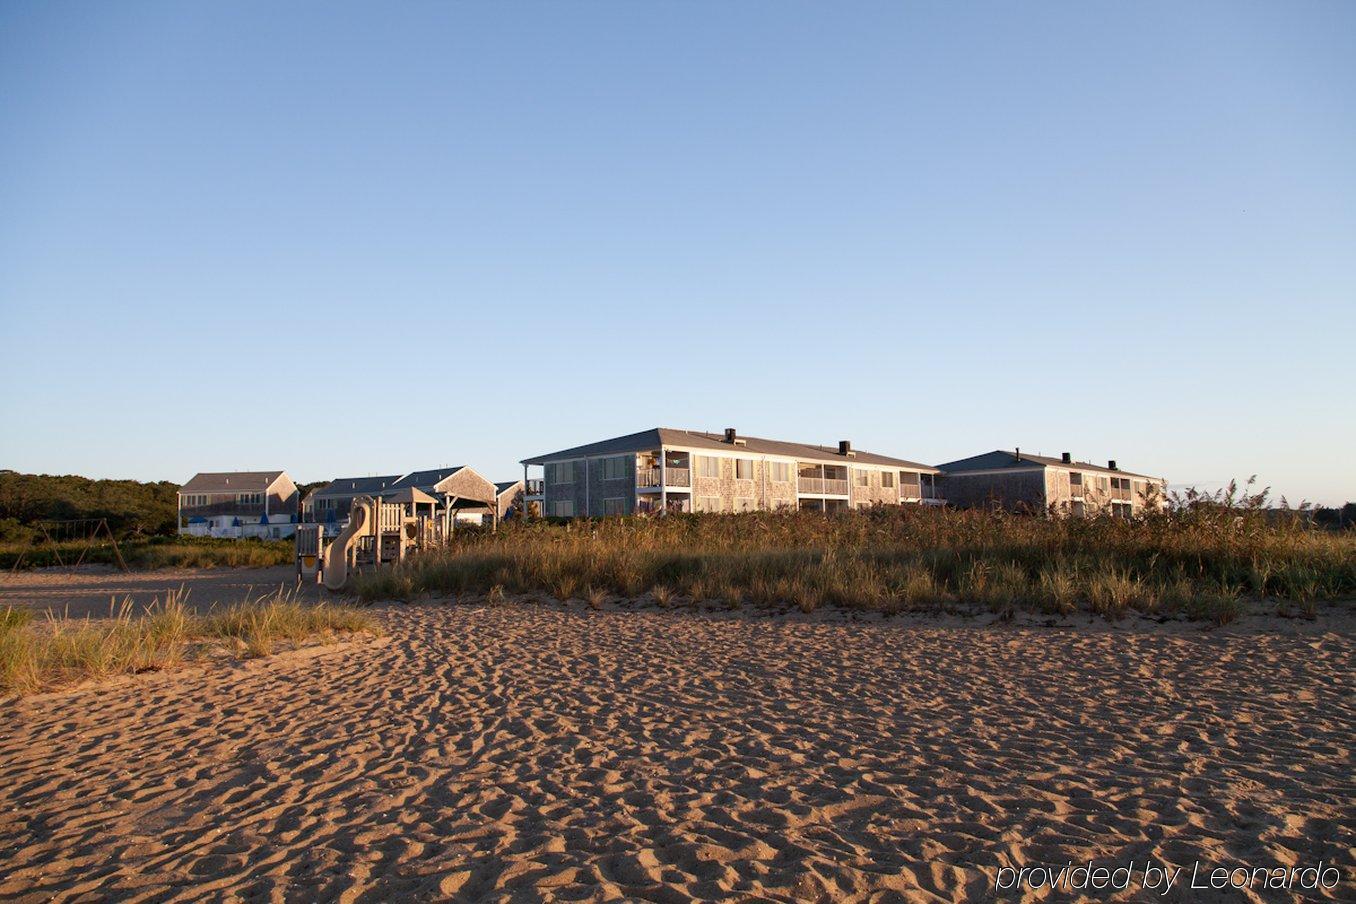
(231, 481)
(356, 486)
(427, 480)
(503, 486)
(1000, 458)
(696, 439)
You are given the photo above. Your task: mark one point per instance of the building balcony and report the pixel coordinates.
(215, 509)
(822, 486)
(649, 478)
(534, 488)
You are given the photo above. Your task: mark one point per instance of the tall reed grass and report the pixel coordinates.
(38, 653)
(1199, 561)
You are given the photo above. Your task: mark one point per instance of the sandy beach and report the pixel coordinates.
(524, 752)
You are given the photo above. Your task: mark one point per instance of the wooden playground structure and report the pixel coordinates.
(379, 532)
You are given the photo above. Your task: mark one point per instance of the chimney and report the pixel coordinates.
(730, 435)
(845, 447)
(1111, 465)
(1066, 457)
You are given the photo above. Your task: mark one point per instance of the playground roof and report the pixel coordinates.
(408, 495)
(231, 481)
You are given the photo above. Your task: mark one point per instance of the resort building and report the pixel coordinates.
(664, 469)
(508, 498)
(330, 504)
(236, 504)
(1020, 481)
(455, 493)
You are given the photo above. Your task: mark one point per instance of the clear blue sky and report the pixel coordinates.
(486, 231)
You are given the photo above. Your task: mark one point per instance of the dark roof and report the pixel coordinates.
(231, 482)
(696, 439)
(999, 458)
(356, 486)
(504, 486)
(427, 480)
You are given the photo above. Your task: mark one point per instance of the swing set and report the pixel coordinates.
(90, 532)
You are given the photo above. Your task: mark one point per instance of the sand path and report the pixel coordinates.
(524, 752)
(89, 590)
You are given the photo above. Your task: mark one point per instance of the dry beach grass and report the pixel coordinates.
(43, 652)
(509, 751)
(1204, 561)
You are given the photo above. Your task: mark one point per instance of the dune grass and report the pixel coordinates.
(155, 552)
(1199, 561)
(45, 652)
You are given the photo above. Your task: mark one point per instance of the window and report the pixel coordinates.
(861, 478)
(614, 467)
(560, 472)
(1076, 479)
(562, 509)
(249, 498)
(743, 469)
(708, 466)
(743, 504)
(614, 505)
(887, 479)
(781, 472)
(708, 504)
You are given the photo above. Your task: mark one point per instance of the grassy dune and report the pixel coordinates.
(1202, 561)
(39, 653)
(156, 552)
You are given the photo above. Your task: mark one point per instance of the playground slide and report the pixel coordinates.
(336, 554)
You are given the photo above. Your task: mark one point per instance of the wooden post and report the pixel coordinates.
(663, 480)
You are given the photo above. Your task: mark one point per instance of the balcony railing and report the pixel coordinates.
(823, 486)
(647, 477)
(535, 486)
(1076, 490)
(224, 508)
(678, 477)
(1118, 493)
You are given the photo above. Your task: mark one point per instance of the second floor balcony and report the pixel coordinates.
(252, 509)
(649, 478)
(822, 486)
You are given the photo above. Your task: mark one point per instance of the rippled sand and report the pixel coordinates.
(518, 752)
